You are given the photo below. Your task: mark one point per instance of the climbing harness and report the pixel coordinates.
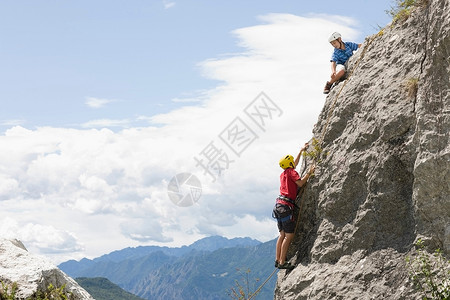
(285, 199)
(283, 209)
(282, 212)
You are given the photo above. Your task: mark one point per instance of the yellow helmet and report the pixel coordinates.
(287, 162)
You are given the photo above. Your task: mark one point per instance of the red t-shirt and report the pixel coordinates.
(288, 187)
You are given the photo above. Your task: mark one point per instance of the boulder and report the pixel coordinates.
(33, 273)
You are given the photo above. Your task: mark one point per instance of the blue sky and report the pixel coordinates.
(140, 55)
(103, 102)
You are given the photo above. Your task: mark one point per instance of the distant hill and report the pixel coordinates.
(103, 289)
(207, 269)
(78, 268)
(212, 275)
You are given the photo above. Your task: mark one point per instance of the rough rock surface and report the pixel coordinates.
(384, 180)
(33, 273)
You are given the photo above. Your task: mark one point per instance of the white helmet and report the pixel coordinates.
(334, 36)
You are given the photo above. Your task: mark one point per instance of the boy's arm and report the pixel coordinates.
(333, 67)
(302, 181)
(297, 159)
(354, 46)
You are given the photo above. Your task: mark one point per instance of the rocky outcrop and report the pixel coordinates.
(384, 180)
(33, 273)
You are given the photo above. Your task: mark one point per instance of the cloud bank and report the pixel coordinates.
(70, 193)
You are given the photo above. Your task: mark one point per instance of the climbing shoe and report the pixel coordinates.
(327, 88)
(276, 264)
(286, 265)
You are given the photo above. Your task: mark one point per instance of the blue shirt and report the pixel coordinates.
(341, 56)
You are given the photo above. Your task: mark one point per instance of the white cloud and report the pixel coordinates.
(46, 239)
(110, 188)
(8, 187)
(168, 4)
(144, 230)
(93, 102)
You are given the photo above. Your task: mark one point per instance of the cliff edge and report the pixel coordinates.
(383, 182)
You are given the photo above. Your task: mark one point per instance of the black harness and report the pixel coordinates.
(281, 211)
(286, 199)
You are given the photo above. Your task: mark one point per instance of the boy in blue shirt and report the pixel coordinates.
(342, 52)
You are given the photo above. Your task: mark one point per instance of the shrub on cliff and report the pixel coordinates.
(430, 273)
(8, 292)
(403, 8)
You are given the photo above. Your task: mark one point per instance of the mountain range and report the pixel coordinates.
(206, 269)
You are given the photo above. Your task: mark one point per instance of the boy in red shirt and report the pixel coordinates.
(290, 181)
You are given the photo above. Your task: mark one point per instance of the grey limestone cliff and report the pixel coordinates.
(384, 180)
(33, 273)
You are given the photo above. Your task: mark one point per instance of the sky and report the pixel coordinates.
(152, 122)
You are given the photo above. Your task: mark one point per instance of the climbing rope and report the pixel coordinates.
(330, 112)
(261, 286)
(299, 197)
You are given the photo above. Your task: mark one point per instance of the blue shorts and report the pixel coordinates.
(286, 226)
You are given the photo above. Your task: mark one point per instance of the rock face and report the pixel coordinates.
(384, 180)
(33, 273)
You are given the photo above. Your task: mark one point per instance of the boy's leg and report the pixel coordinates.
(340, 71)
(288, 237)
(327, 87)
(338, 76)
(279, 245)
